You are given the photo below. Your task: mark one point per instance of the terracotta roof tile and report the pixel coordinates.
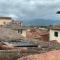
(53, 55)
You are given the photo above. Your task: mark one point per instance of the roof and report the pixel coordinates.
(19, 27)
(39, 32)
(56, 27)
(52, 55)
(16, 27)
(36, 33)
(5, 18)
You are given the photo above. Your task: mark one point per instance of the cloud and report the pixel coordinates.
(30, 9)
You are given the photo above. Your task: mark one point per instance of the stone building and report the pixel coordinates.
(55, 33)
(5, 20)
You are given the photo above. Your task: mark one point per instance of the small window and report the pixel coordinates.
(56, 34)
(20, 31)
(4, 23)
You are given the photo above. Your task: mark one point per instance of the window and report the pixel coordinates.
(56, 34)
(20, 31)
(4, 23)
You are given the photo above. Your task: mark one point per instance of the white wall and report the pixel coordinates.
(52, 37)
(24, 33)
(6, 21)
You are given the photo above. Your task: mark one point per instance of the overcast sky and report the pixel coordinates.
(30, 9)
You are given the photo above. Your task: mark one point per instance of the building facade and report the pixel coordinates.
(5, 20)
(54, 33)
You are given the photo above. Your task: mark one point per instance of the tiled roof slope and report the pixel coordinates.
(53, 55)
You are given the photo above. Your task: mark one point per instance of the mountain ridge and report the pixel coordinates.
(43, 22)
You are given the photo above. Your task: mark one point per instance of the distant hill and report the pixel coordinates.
(42, 22)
